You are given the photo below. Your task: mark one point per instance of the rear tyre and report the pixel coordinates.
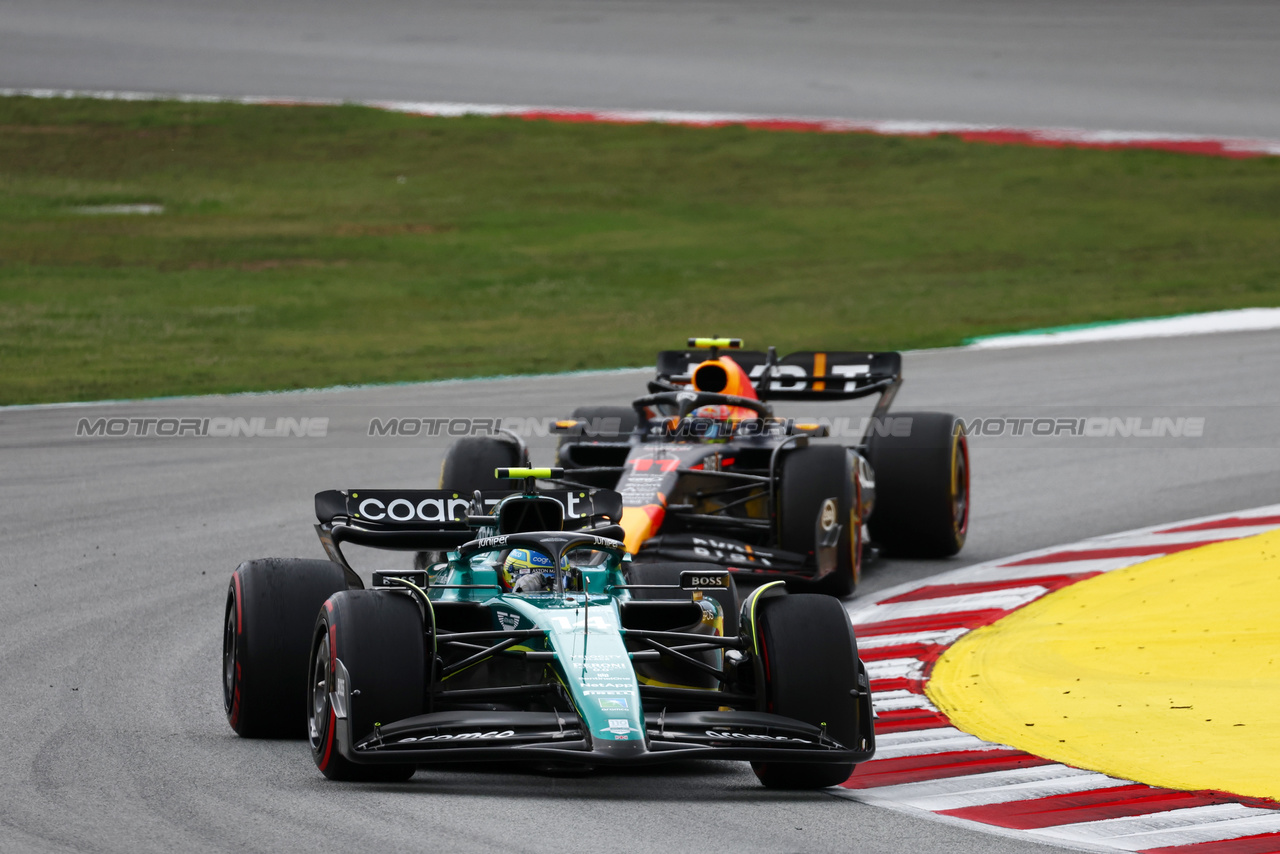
(810, 674)
(922, 487)
(271, 607)
(378, 637)
(470, 463)
(600, 421)
(669, 573)
(810, 478)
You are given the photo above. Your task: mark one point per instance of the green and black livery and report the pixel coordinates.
(617, 663)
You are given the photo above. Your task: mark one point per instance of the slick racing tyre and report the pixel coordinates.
(271, 606)
(810, 664)
(470, 463)
(378, 638)
(669, 573)
(812, 477)
(922, 487)
(574, 451)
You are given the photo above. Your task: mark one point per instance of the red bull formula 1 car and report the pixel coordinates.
(708, 472)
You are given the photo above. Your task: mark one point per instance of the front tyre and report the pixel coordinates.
(922, 487)
(810, 664)
(271, 606)
(378, 638)
(820, 482)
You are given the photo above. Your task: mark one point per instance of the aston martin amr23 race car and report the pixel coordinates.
(708, 472)
(607, 662)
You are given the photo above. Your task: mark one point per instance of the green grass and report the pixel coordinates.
(313, 246)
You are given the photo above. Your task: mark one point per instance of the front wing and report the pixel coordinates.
(559, 738)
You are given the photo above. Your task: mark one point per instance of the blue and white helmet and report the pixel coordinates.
(528, 571)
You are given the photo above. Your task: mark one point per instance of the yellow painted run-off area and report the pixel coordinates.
(1167, 673)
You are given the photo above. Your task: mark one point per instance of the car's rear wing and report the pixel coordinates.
(435, 519)
(807, 375)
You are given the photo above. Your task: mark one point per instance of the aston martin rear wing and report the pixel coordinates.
(807, 375)
(434, 519)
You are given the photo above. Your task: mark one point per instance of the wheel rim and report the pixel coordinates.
(318, 707)
(960, 485)
(855, 530)
(229, 656)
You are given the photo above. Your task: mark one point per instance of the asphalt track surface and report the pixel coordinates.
(117, 552)
(1144, 65)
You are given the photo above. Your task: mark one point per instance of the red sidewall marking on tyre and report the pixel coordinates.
(328, 741)
(333, 668)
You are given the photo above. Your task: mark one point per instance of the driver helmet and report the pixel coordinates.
(528, 571)
(721, 412)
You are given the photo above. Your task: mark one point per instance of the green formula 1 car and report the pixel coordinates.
(603, 662)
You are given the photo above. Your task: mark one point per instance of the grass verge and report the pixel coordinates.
(310, 246)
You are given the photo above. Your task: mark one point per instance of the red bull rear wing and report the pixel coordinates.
(807, 375)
